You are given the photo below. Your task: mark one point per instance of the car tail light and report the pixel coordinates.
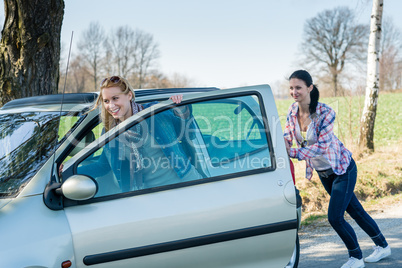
(66, 264)
(292, 170)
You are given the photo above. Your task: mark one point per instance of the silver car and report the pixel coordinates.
(222, 195)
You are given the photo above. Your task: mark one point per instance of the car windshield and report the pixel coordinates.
(27, 140)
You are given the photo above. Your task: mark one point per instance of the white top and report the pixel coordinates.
(319, 163)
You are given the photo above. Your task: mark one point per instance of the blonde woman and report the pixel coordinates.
(150, 147)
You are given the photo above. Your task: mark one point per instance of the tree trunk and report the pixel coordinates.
(335, 83)
(30, 48)
(366, 139)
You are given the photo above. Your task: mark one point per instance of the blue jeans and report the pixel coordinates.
(340, 188)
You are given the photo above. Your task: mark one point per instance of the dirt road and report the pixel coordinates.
(321, 246)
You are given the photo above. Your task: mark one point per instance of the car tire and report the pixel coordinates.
(294, 260)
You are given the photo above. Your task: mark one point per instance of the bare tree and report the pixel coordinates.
(331, 40)
(390, 56)
(30, 48)
(91, 49)
(121, 46)
(109, 67)
(77, 76)
(146, 51)
(180, 81)
(366, 139)
(124, 52)
(132, 53)
(157, 80)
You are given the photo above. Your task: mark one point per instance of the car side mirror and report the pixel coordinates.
(79, 187)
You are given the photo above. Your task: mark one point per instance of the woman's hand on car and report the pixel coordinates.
(176, 98)
(287, 147)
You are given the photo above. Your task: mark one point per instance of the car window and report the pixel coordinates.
(181, 146)
(67, 122)
(231, 129)
(27, 140)
(91, 135)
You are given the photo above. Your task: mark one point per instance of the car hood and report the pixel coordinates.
(4, 202)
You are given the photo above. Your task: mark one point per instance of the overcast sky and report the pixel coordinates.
(220, 43)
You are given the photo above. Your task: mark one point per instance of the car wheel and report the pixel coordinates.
(294, 260)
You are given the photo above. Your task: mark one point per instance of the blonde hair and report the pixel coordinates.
(112, 81)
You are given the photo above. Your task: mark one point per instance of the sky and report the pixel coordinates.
(216, 43)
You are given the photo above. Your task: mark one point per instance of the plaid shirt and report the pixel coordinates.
(327, 145)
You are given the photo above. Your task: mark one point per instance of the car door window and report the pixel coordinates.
(80, 143)
(233, 129)
(67, 122)
(182, 146)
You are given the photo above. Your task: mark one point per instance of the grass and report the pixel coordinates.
(379, 174)
(312, 218)
(388, 126)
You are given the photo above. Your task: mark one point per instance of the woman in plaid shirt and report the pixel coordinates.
(310, 124)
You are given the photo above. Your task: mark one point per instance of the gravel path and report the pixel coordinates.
(321, 246)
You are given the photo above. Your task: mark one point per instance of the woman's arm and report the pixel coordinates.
(183, 112)
(287, 134)
(324, 140)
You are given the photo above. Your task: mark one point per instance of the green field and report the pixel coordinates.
(388, 124)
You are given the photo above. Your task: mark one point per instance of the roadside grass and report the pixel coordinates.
(379, 174)
(313, 218)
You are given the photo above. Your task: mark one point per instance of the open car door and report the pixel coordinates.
(205, 183)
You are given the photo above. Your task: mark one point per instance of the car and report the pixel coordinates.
(73, 195)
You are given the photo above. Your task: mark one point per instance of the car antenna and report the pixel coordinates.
(51, 198)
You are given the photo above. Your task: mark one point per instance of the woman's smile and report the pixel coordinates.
(114, 111)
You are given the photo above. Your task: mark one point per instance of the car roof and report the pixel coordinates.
(88, 98)
(69, 98)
